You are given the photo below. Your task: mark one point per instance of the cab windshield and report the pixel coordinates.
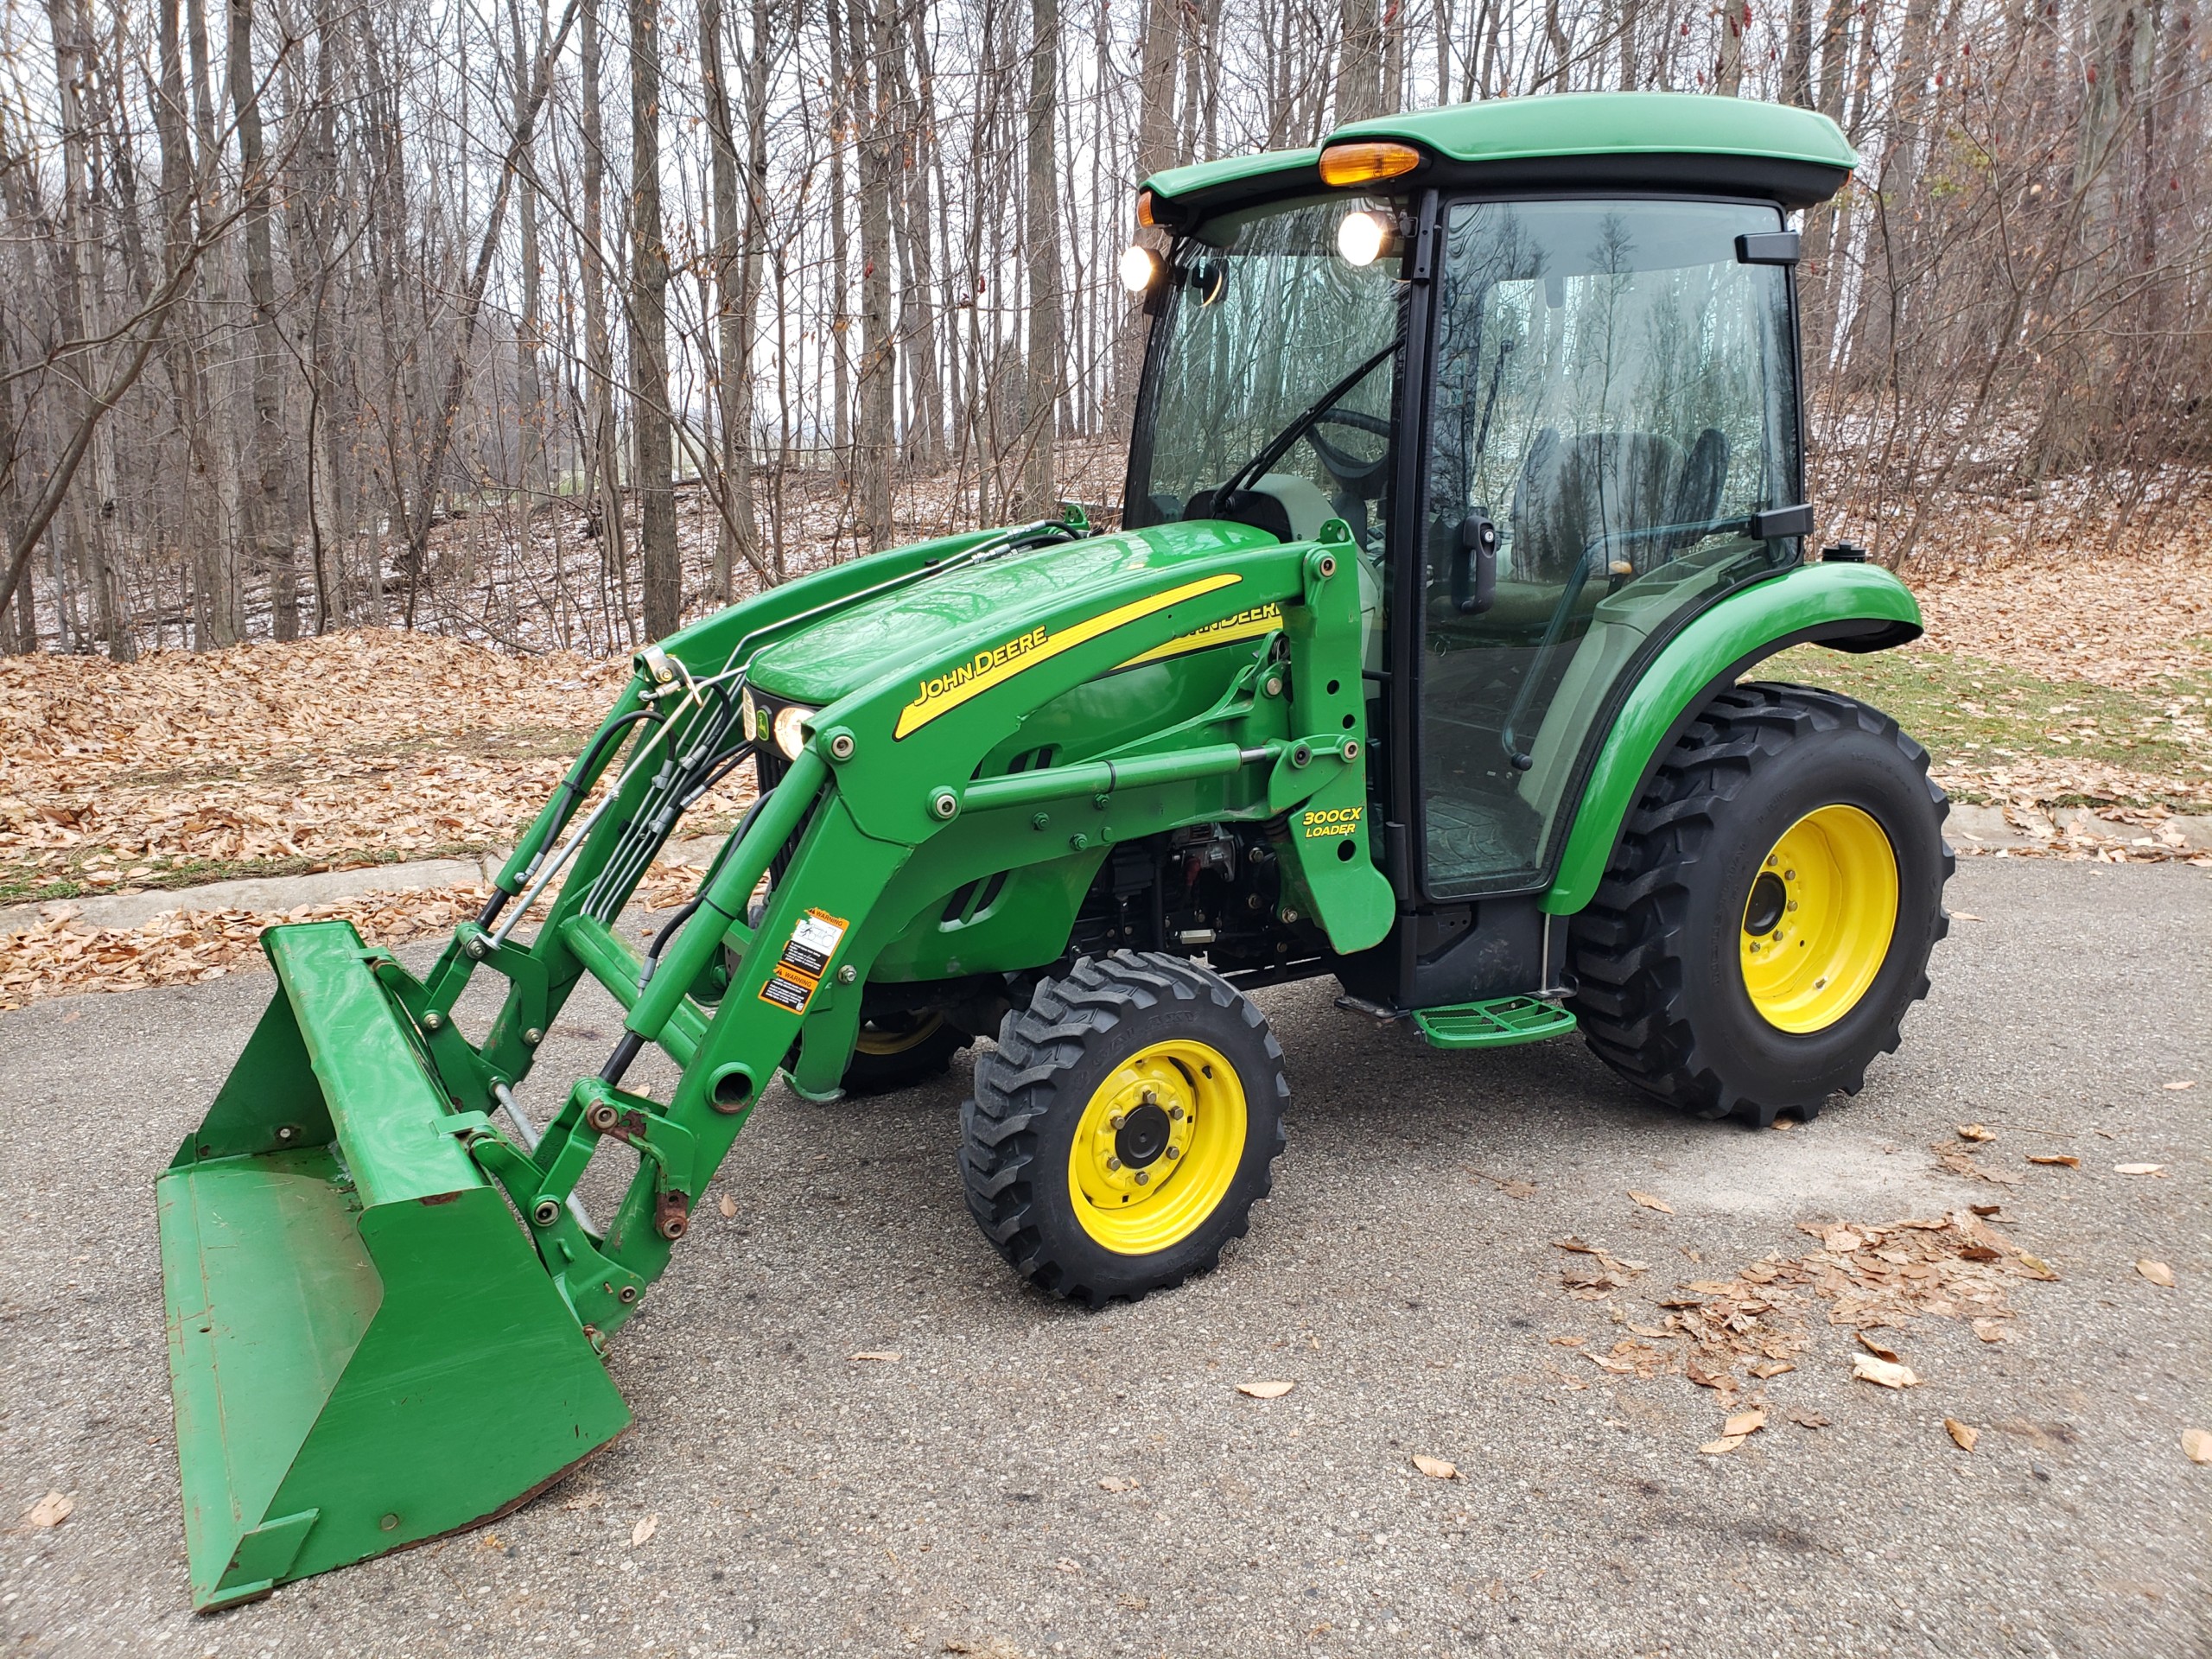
(1265, 319)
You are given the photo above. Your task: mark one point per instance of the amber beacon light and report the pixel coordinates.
(1363, 163)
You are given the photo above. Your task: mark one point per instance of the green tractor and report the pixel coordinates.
(1466, 486)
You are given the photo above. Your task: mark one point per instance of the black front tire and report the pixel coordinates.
(1659, 981)
(1055, 1059)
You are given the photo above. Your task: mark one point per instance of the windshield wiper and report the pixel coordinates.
(1276, 447)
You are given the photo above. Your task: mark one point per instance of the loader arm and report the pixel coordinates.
(890, 770)
(345, 1286)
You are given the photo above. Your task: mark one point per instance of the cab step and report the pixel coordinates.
(1498, 1023)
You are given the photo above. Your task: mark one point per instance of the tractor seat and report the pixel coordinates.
(1573, 491)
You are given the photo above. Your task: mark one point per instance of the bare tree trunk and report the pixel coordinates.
(530, 337)
(1797, 59)
(1728, 69)
(18, 634)
(733, 321)
(1041, 401)
(78, 243)
(269, 530)
(1156, 147)
(604, 447)
(918, 301)
(756, 242)
(874, 437)
(214, 622)
(843, 119)
(649, 413)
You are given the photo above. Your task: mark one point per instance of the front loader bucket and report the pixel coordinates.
(365, 1350)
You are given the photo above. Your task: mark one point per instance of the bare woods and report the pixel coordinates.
(551, 321)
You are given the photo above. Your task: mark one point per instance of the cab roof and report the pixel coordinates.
(1691, 144)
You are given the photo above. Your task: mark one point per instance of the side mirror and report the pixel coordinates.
(1474, 565)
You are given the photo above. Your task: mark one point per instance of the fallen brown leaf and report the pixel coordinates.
(2183, 1082)
(1966, 916)
(1960, 1161)
(1771, 1368)
(1976, 1132)
(2065, 1160)
(1879, 1349)
(51, 1510)
(2156, 1272)
(1265, 1389)
(1991, 1330)
(1723, 1447)
(1115, 1484)
(1964, 1433)
(1744, 1422)
(729, 1208)
(1865, 1368)
(883, 1356)
(1436, 1468)
(1805, 1418)
(2197, 1444)
(1650, 1203)
(1517, 1189)
(643, 1530)
(2138, 1169)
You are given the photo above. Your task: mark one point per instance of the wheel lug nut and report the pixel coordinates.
(1117, 1120)
(1150, 1099)
(1792, 905)
(1175, 1113)
(1113, 1163)
(1143, 1176)
(1174, 1152)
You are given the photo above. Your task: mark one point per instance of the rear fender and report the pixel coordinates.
(1854, 607)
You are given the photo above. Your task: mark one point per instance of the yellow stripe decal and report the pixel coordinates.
(942, 693)
(1245, 625)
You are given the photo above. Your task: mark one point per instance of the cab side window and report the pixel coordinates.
(1615, 398)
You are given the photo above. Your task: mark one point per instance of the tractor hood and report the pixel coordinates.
(859, 645)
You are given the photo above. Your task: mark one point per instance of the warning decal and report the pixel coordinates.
(790, 985)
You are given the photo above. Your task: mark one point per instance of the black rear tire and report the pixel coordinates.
(1059, 1063)
(1655, 958)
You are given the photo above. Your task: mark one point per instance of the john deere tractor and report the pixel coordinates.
(1466, 487)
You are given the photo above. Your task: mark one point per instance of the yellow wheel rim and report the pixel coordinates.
(1157, 1147)
(878, 1037)
(1818, 919)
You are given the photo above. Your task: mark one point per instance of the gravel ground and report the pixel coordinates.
(961, 1498)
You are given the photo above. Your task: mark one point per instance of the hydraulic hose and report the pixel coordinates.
(630, 1045)
(565, 797)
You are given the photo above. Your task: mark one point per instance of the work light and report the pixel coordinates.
(1139, 267)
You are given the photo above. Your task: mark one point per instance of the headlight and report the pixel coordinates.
(790, 736)
(1363, 238)
(748, 721)
(1139, 267)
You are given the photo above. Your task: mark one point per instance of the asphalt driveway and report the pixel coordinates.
(1027, 1478)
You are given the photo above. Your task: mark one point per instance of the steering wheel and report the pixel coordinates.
(1365, 479)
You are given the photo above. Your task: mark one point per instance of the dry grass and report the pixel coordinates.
(2047, 679)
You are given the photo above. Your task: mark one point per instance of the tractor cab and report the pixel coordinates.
(1550, 393)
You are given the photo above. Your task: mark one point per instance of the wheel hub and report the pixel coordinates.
(1143, 1135)
(1769, 898)
(1158, 1147)
(1819, 917)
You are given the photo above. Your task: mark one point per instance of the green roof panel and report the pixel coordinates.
(1674, 140)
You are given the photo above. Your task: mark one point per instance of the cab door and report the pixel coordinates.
(1612, 445)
